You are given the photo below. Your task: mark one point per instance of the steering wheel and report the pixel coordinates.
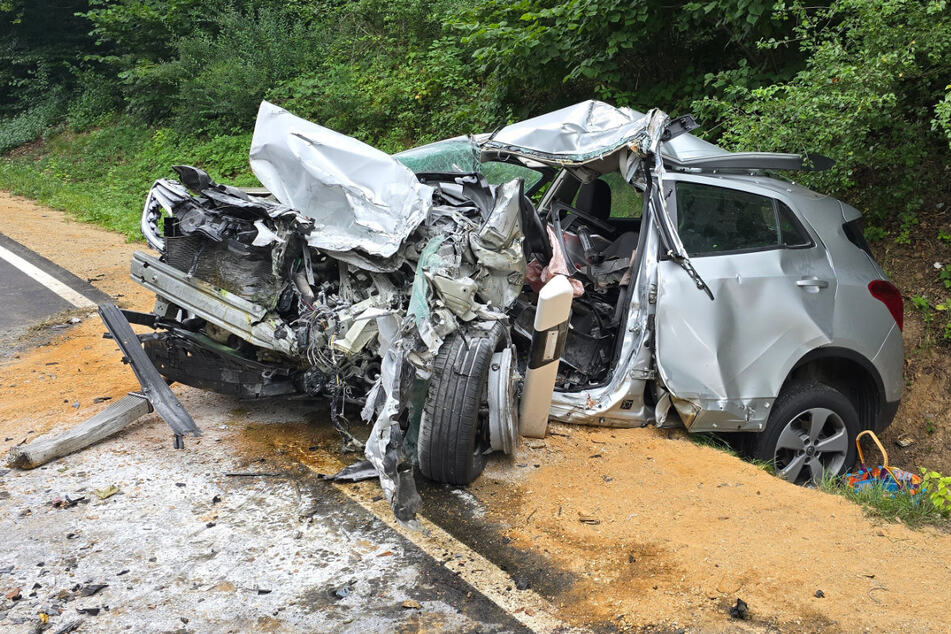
(558, 207)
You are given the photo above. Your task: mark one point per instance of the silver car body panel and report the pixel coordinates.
(724, 362)
(359, 197)
(577, 134)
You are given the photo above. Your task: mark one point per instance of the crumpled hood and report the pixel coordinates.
(359, 197)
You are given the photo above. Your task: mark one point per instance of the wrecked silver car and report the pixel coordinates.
(593, 265)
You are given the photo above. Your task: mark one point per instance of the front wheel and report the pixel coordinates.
(810, 432)
(454, 428)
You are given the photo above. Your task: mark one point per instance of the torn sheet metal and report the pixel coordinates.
(498, 248)
(576, 134)
(359, 197)
(384, 447)
(356, 472)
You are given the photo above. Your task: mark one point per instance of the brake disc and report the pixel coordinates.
(503, 410)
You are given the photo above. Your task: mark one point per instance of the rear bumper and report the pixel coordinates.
(886, 415)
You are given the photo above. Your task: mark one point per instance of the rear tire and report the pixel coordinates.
(811, 431)
(453, 434)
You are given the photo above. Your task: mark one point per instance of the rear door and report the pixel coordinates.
(724, 360)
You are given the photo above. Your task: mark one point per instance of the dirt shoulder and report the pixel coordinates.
(672, 534)
(660, 530)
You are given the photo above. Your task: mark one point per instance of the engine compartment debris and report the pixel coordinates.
(348, 281)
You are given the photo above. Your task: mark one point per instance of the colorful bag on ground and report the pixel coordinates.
(886, 476)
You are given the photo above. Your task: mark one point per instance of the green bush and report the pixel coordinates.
(29, 124)
(95, 101)
(876, 72)
(226, 73)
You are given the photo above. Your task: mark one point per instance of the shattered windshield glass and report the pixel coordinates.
(461, 155)
(458, 154)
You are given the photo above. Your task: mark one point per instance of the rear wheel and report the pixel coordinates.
(454, 428)
(811, 431)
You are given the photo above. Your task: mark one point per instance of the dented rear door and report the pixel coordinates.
(724, 361)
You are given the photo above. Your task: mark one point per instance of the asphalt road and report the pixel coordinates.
(32, 288)
(184, 547)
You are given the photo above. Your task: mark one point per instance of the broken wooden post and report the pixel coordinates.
(107, 422)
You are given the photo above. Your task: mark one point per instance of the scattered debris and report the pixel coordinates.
(820, 594)
(905, 441)
(740, 610)
(216, 499)
(89, 611)
(13, 595)
(584, 518)
(92, 588)
(251, 474)
(343, 591)
(66, 502)
(411, 604)
(108, 492)
(101, 399)
(358, 471)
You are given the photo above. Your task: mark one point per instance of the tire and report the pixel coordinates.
(811, 431)
(453, 435)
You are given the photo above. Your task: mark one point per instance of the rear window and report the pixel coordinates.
(713, 220)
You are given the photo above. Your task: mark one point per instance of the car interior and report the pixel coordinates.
(596, 225)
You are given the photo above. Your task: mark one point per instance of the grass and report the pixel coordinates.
(718, 442)
(102, 176)
(914, 511)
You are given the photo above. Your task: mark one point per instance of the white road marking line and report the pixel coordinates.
(526, 606)
(76, 299)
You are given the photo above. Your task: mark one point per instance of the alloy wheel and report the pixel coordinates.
(814, 442)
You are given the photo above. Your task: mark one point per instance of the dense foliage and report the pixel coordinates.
(863, 81)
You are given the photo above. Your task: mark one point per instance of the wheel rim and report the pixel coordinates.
(814, 442)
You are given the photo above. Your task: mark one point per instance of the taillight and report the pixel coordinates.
(885, 292)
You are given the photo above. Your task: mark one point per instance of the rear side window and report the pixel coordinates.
(855, 232)
(713, 220)
(792, 233)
